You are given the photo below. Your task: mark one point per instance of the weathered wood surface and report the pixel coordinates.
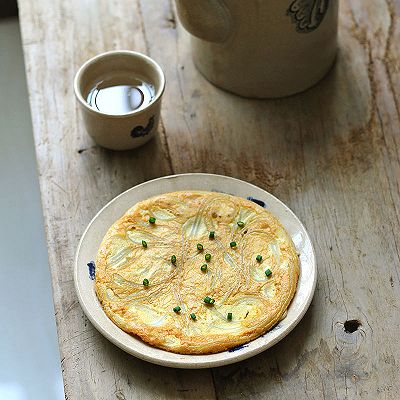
(331, 153)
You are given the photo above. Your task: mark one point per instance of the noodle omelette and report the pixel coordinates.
(196, 272)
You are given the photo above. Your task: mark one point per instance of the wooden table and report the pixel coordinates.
(332, 154)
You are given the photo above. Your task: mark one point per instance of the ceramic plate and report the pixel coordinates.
(97, 228)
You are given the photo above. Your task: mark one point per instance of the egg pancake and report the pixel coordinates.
(196, 272)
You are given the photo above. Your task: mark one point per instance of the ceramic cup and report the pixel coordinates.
(259, 48)
(131, 129)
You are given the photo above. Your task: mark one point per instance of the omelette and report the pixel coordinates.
(196, 272)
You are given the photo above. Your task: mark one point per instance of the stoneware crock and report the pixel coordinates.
(262, 48)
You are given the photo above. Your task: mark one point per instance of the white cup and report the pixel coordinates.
(120, 131)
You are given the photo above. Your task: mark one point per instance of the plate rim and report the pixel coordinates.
(182, 363)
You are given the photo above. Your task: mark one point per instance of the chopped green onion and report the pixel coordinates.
(152, 220)
(240, 224)
(173, 259)
(211, 235)
(268, 272)
(204, 267)
(193, 316)
(145, 282)
(209, 300)
(259, 258)
(229, 316)
(177, 309)
(207, 257)
(199, 246)
(144, 243)
(232, 244)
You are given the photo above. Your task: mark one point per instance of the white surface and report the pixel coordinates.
(29, 358)
(97, 228)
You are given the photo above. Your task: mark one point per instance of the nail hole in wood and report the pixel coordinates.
(351, 325)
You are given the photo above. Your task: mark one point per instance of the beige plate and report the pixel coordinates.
(93, 235)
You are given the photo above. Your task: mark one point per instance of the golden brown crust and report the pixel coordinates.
(234, 278)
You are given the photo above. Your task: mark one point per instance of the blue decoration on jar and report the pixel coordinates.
(307, 15)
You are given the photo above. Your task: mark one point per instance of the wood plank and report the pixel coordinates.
(342, 179)
(331, 153)
(77, 178)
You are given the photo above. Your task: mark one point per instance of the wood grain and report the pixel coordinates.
(332, 154)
